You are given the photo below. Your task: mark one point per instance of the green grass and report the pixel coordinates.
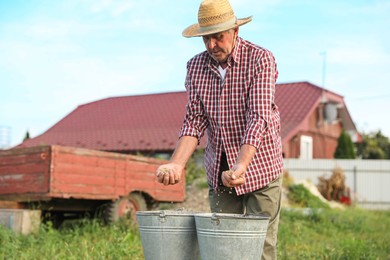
(318, 234)
(302, 197)
(310, 230)
(334, 234)
(85, 239)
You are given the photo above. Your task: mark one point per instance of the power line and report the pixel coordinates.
(386, 96)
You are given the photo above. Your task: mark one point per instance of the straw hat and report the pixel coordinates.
(214, 16)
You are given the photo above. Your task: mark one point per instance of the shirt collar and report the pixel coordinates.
(236, 51)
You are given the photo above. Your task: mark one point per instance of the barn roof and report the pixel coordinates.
(151, 122)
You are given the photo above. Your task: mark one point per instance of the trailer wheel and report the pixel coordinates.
(125, 208)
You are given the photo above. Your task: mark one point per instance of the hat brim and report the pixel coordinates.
(195, 30)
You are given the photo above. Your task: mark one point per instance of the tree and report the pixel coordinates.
(374, 146)
(383, 143)
(27, 136)
(345, 148)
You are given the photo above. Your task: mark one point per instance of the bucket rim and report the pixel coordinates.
(165, 213)
(233, 216)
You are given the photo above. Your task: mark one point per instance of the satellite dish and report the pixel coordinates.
(330, 112)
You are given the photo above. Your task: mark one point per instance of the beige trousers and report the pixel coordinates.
(266, 201)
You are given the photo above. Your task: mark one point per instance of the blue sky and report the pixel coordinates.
(56, 55)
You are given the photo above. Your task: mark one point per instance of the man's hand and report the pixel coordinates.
(169, 174)
(234, 177)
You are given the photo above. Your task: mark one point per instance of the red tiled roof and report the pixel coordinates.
(145, 122)
(295, 101)
(152, 122)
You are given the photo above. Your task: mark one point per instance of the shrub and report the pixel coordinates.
(195, 168)
(302, 197)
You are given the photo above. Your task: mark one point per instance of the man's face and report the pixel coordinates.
(220, 45)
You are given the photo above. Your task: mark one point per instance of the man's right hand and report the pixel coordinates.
(169, 174)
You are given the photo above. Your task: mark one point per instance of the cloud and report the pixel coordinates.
(254, 5)
(114, 8)
(355, 55)
(52, 30)
(379, 7)
(79, 51)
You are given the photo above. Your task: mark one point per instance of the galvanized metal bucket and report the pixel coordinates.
(231, 236)
(168, 235)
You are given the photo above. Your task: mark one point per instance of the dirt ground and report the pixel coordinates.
(197, 199)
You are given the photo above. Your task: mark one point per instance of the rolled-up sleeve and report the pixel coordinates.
(261, 98)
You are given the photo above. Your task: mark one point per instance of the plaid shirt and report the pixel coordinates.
(237, 110)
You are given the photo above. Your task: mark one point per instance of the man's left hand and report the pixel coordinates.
(234, 177)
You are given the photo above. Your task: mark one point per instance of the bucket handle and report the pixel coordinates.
(162, 216)
(214, 219)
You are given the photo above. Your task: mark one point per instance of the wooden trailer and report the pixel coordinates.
(66, 180)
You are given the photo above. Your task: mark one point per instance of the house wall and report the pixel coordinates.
(291, 148)
(325, 136)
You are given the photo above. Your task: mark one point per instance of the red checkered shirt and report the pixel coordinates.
(237, 110)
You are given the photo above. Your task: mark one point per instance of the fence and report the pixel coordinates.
(369, 180)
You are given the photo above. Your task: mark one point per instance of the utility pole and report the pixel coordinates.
(323, 54)
(323, 99)
(5, 136)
